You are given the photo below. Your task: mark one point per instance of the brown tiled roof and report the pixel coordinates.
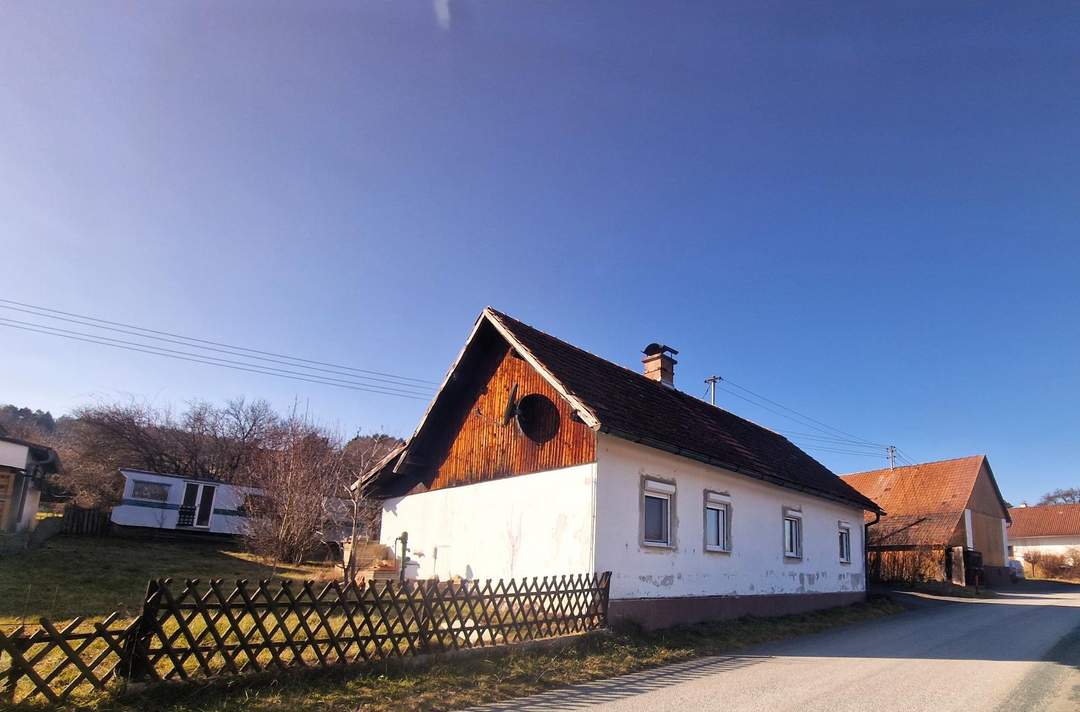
(631, 406)
(1045, 520)
(924, 502)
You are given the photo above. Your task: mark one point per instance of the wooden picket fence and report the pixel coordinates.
(201, 631)
(86, 522)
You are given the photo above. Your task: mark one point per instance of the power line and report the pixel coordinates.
(410, 390)
(818, 448)
(251, 368)
(193, 339)
(781, 413)
(802, 415)
(180, 342)
(826, 438)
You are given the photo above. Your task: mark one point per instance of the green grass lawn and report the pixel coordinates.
(93, 576)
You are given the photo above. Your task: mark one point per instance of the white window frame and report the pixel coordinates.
(665, 491)
(795, 516)
(721, 502)
(844, 528)
(136, 483)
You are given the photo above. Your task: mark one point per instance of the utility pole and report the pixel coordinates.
(890, 452)
(712, 381)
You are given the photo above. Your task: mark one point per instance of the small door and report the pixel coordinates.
(206, 506)
(198, 505)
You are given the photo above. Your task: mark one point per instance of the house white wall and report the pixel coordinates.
(756, 564)
(528, 525)
(136, 512)
(1056, 545)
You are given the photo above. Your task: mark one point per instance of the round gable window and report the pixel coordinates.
(538, 418)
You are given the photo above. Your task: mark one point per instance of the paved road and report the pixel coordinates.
(1017, 652)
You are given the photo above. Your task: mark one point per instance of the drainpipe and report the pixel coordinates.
(866, 547)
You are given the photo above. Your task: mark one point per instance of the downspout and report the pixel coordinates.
(594, 486)
(866, 548)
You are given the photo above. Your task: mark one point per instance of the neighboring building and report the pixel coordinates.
(23, 469)
(944, 518)
(157, 500)
(1047, 529)
(537, 458)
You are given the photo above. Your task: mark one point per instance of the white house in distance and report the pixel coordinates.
(1047, 529)
(156, 500)
(537, 458)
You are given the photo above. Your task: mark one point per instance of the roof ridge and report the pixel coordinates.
(1042, 506)
(917, 464)
(653, 383)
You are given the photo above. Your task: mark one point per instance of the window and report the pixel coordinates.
(845, 543)
(656, 501)
(717, 522)
(792, 534)
(156, 491)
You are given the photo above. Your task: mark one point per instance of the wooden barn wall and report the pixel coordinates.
(986, 534)
(983, 498)
(484, 449)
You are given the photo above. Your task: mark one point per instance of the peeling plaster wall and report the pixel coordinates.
(756, 564)
(530, 525)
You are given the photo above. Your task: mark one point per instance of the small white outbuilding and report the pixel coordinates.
(158, 500)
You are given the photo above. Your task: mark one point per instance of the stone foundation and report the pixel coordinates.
(654, 613)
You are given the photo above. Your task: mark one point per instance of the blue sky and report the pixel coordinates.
(866, 212)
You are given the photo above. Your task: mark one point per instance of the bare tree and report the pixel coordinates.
(298, 507)
(363, 452)
(1033, 557)
(1070, 495)
(203, 440)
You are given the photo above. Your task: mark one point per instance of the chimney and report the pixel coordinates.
(660, 363)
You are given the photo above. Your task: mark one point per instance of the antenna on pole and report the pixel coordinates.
(712, 381)
(890, 452)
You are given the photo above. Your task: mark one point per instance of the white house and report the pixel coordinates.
(1047, 529)
(23, 468)
(164, 501)
(537, 458)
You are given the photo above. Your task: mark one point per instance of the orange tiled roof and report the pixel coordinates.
(1045, 520)
(943, 486)
(923, 503)
(933, 528)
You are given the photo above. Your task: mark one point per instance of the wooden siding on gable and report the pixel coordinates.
(484, 449)
(984, 498)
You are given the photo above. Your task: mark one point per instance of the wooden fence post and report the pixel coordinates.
(7, 693)
(136, 662)
(605, 591)
(424, 624)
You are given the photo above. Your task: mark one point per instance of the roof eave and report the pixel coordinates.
(867, 505)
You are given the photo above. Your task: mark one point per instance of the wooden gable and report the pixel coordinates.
(984, 494)
(468, 438)
(486, 448)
